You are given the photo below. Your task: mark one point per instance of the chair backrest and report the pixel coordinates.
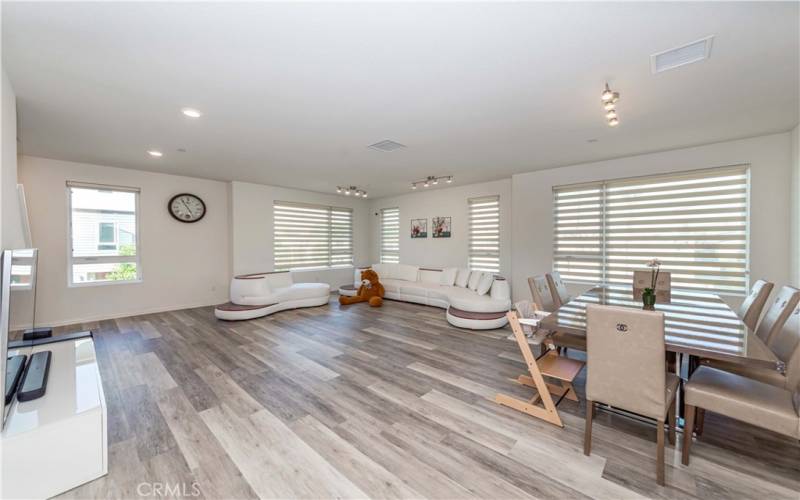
(626, 365)
(778, 313)
(541, 294)
(786, 347)
(558, 290)
(751, 308)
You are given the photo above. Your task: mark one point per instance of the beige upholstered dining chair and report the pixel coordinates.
(788, 297)
(558, 289)
(785, 346)
(750, 310)
(541, 294)
(626, 369)
(747, 399)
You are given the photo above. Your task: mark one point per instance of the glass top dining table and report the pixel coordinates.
(696, 323)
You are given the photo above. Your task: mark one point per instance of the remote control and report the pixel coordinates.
(34, 381)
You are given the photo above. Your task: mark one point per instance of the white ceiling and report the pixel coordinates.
(294, 93)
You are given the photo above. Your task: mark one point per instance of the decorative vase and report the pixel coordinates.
(649, 298)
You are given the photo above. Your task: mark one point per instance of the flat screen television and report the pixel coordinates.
(17, 305)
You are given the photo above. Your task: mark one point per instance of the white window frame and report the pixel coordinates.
(330, 253)
(102, 259)
(602, 255)
(472, 252)
(383, 253)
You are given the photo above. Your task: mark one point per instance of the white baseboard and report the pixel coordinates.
(104, 317)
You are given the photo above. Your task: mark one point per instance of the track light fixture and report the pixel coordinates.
(609, 99)
(354, 190)
(432, 180)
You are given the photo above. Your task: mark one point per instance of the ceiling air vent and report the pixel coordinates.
(680, 56)
(386, 146)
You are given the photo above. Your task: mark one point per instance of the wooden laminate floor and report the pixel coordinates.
(382, 403)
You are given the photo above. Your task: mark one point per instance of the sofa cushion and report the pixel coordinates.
(430, 276)
(500, 289)
(392, 285)
(416, 289)
(462, 278)
(485, 283)
(396, 271)
(474, 279)
(405, 272)
(448, 276)
(299, 291)
(467, 300)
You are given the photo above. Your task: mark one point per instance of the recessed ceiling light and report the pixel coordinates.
(611, 114)
(608, 106)
(155, 153)
(613, 122)
(191, 113)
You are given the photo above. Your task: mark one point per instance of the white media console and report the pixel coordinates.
(59, 441)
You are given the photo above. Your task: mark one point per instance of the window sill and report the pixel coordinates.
(104, 283)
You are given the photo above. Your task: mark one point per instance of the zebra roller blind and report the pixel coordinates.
(484, 234)
(390, 236)
(311, 236)
(695, 222)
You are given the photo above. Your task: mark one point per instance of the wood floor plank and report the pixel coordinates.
(371, 477)
(274, 460)
(399, 338)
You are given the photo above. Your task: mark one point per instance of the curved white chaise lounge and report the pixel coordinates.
(466, 306)
(261, 294)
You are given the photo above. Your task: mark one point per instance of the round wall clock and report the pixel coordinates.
(186, 207)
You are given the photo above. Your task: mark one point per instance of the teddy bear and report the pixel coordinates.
(370, 290)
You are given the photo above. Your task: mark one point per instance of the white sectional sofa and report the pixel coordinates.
(475, 307)
(260, 294)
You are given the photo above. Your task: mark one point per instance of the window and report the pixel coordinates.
(107, 236)
(311, 236)
(484, 234)
(390, 235)
(103, 227)
(695, 222)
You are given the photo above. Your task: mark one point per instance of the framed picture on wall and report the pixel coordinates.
(419, 228)
(441, 227)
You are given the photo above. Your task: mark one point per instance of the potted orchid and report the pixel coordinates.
(649, 294)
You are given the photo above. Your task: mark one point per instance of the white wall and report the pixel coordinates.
(768, 156)
(443, 202)
(795, 218)
(251, 230)
(11, 232)
(183, 265)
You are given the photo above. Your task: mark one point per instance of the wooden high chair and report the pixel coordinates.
(550, 364)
